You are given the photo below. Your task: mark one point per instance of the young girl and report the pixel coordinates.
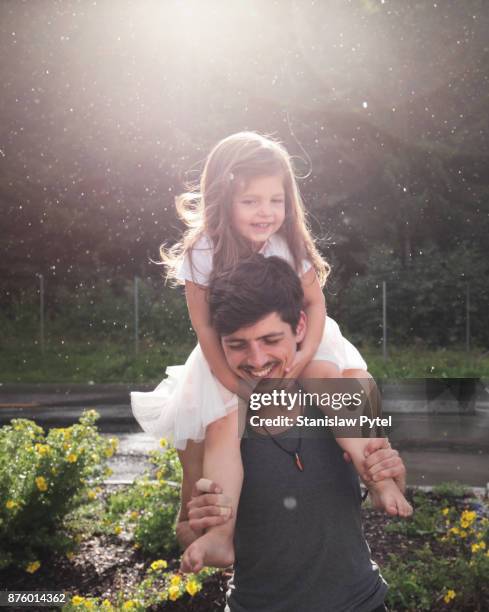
(248, 202)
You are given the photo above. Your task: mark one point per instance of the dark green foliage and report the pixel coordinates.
(426, 301)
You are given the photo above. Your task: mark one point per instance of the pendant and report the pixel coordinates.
(298, 462)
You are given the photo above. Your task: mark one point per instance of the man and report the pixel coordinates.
(299, 544)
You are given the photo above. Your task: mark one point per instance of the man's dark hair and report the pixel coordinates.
(255, 288)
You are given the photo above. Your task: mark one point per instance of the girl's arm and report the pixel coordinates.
(209, 341)
(315, 309)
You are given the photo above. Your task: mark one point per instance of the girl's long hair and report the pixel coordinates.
(231, 165)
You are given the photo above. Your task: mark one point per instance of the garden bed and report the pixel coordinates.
(106, 564)
(113, 548)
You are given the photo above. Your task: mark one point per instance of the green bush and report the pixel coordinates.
(148, 508)
(451, 489)
(426, 301)
(451, 572)
(42, 479)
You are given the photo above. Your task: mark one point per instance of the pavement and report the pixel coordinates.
(441, 428)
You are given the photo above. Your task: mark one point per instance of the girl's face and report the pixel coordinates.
(258, 209)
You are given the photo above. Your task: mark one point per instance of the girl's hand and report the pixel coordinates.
(301, 360)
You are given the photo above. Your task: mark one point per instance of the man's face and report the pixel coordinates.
(264, 349)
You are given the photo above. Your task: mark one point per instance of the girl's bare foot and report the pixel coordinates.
(212, 549)
(386, 496)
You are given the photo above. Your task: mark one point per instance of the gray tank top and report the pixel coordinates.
(299, 541)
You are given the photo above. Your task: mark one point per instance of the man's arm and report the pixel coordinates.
(381, 461)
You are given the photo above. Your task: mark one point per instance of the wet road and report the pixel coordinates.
(439, 440)
(424, 466)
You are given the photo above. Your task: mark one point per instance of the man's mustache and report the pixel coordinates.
(263, 367)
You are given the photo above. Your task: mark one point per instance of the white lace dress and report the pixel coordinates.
(190, 397)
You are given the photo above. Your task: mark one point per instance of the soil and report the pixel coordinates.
(105, 565)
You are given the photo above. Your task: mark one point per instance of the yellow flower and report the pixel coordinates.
(117, 529)
(134, 515)
(480, 546)
(89, 605)
(129, 605)
(76, 600)
(173, 592)
(43, 449)
(114, 444)
(33, 567)
(72, 458)
(10, 505)
(175, 580)
(455, 530)
(449, 595)
(463, 533)
(70, 555)
(91, 495)
(445, 511)
(467, 518)
(163, 442)
(41, 483)
(106, 605)
(192, 587)
(108, 472)
(159, 564)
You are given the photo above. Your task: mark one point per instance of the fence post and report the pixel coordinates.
(136, 315)
(467, 318)
(41, 310)
(384, 320)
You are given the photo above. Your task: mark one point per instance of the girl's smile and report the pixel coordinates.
(258, 210)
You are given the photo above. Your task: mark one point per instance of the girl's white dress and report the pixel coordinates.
(190, 397)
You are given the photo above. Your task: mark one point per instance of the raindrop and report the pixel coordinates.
(290, 503)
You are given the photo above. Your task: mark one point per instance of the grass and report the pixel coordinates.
(82, 361)
(416, 362)
(87, 361)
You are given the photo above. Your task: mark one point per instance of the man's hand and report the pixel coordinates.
(208, 507)
(381, 461)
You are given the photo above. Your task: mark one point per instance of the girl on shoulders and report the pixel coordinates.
(248, 202)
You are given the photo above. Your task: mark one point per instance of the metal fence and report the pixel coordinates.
(141, 296)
